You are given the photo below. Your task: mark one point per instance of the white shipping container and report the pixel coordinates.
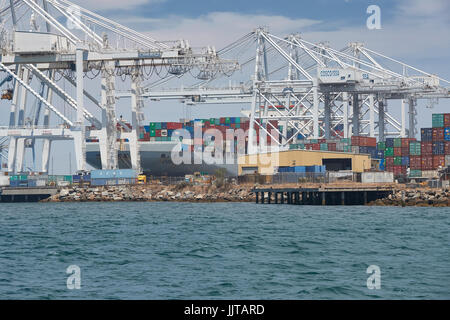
(4, 181)
(447, 161)
(62, 183)
(41, 183)
(430, 174)
(377, 177)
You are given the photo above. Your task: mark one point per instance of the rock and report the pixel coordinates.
(64, 192)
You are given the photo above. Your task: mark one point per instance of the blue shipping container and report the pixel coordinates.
(382, 164)
(98, 182)
(426, 134)
(111, 174)
(405, 161)
(379, 154)
(299, 169)
(315, 169)
(438, 148)
(447, 134)
(389, 142)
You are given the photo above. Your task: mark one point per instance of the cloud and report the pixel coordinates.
(216, 28)
(112, 4)
(403, 36)
(429, 8)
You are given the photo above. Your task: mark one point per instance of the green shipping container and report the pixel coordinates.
(227, 120)
(397, 161)
(152, 132)
(293, 147)
(347, 149)
(237, 120)
(324, 146)
(346, 141)
(382, 146)
(312, 140)
(415, 149)
(158, 125)
(152, 125)
(68, 178)
(389, 152)
(397, 142)
(415, 173)
(438, 120)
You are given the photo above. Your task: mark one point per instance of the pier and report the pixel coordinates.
(26, 194)
(320, 196)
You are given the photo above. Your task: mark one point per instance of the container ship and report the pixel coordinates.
(158, 139)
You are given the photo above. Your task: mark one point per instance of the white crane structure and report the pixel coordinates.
(313, 89)
(52, 48)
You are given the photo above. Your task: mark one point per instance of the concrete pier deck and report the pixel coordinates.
(320, 196)
(26, 194)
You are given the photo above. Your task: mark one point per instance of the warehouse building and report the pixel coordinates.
(270, 163)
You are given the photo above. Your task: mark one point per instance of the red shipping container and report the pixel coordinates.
(356, 140)
(389, 168)
(316, 146)
(415, 162)
(371, 142)
(322, 141)
(399, 170)
(426, 148)
(405, 151)
(427, 162)
(438, 161)
(397, 152)
(332, 147)
(438, 134)
(446, 119)
(447, 147)
(158, 133)
(406, 141)
(389, 161)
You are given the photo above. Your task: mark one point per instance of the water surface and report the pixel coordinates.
(222, 251)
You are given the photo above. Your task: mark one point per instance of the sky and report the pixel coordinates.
(413, 31)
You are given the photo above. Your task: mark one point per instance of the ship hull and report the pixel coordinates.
(156, 160)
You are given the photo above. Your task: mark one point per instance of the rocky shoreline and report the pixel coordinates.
(230, 193)
(416, 198)
(182, 193)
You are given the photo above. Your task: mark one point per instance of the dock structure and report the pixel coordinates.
(320, 196)
(26, 194)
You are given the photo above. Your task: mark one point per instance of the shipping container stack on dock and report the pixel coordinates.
(402, 156)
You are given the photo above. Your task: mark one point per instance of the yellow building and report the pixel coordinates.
(334, 161)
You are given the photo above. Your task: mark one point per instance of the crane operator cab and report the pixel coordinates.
(7, 94)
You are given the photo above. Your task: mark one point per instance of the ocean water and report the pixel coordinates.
(222, 251)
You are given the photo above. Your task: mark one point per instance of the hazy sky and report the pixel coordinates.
(414, 31)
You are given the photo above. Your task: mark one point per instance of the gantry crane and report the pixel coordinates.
(313, 89)
(44, 55)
